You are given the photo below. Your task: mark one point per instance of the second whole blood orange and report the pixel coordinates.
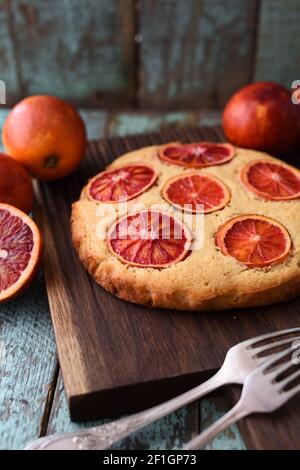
(46, 135)
(15, 184)
(261, 116)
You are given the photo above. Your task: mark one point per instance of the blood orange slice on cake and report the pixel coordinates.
(20, 251)
(254, 240)
(197, 155)
(196, 192)
(149, 239)
(270, 180)
(121, 184)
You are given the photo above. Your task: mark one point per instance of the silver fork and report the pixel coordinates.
(263, 392)
(240, 360)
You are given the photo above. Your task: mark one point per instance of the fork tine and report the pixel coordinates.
(275, 344)
(280, 369)
(272, 361)
(252, 341)
(288, 379)
(290, 393)
(273, 373)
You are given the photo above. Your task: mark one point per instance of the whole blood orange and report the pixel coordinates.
(46, 135)
(254, 240)
(197, 155)
(149, 239)
(121, 184)
(196, 192)
(20, 251)
(15, 184)
(270, 180)
(262, 116)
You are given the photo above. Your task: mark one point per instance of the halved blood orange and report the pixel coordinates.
(254, 240)
(198, 154)
(149, 238)
(271, 180)
(121, 184)
(190, 190)
(20, 251)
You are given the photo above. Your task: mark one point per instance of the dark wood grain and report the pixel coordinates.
(117, 357)
(277, 431)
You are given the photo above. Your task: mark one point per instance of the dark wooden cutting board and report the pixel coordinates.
(117, 357)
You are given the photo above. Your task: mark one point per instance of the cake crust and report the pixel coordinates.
(206, 279)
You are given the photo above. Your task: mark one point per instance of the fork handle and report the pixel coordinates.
(104, 436)
(236, 413)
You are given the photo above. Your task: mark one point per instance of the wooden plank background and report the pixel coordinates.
(195, 53)
(163, 54)
(76, 49)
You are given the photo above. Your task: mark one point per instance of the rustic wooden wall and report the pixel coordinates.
(195, 52)
(146, 53)
(78, 49)
(278, 41)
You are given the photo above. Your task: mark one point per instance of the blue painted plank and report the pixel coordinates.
(210, 118)
(9, 71)
(76, 49)
(277, 57)
(95, 122)
(195, 52)
(212, 409)
(167, 433)
(131, 123)
(27, 366)
(3, 115)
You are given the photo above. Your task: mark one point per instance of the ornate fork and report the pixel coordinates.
(239, 362)
(263, 392)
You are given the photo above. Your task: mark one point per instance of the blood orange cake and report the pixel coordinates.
(197, 226)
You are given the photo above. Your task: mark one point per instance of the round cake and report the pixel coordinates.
(201, 226)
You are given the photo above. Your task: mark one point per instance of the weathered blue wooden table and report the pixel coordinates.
(32, 401)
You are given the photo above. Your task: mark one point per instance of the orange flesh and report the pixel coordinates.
(149, 239)
(196, 192)
(272, 181)
(121, 184)
(16, 244)
(256, 241)
(197, 155)
(20, 247)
